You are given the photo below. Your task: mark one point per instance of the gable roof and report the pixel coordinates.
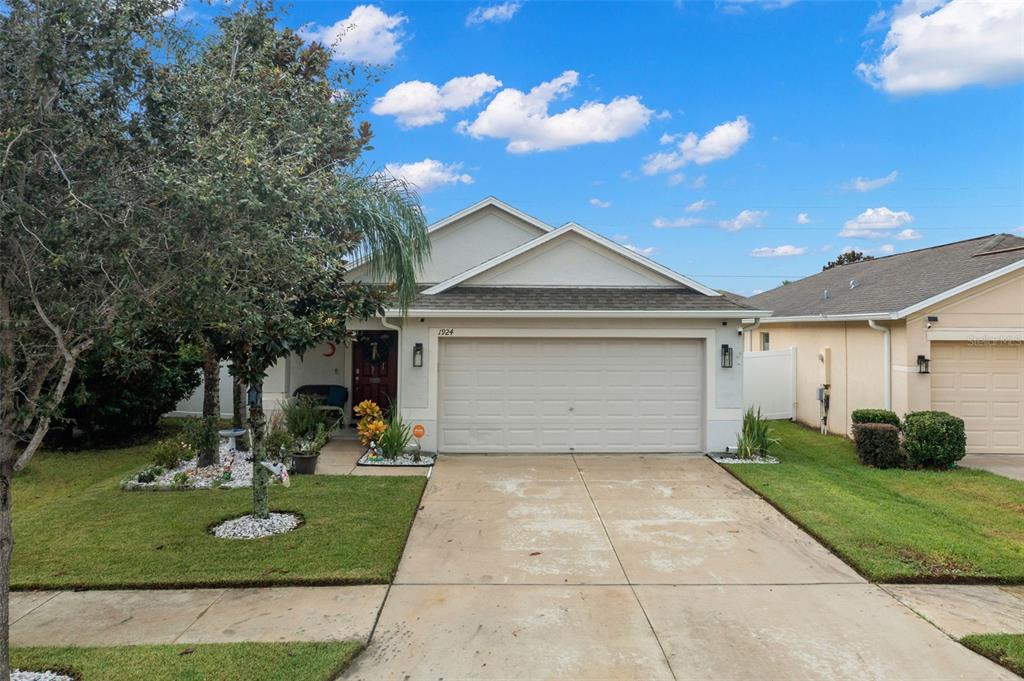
(571, 228)
(896, 285)
(487, 202)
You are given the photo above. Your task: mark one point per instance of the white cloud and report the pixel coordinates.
(599, 203)
(416, 103)
(746, 218)
(623, 240)
(428, 174)
(698, 206)
(864, 184)
(368, 35)
(875, 223)
(495, 14)
(723, 141)
(664, 223)
(886, 249)
(803, 219)
(523, 118)
(778, 251)
(1019, 230)
(699, 182)
(935, 45)
(675, 179)
(646, 252)
(908, 234)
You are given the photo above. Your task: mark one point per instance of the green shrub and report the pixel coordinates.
(180, 479)
(875, 416)
(755, 438)
(878, 445)
(169, 453)
(303, 417)
(201, 434)
(150, 474)
(934, 439)
(120, 389)
(396, 436)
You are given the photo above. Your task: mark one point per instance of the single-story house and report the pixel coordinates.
(529, 338)
(937, 328)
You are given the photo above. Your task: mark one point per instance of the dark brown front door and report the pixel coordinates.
(375, 368)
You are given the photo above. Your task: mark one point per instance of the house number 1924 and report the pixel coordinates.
(446, 332)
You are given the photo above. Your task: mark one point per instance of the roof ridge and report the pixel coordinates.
(925, 248)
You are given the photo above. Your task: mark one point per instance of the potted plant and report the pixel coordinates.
(305, 424)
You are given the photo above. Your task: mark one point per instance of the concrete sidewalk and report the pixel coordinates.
(104, 618)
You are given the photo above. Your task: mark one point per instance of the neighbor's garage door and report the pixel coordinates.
(983, 385)
(571, 395)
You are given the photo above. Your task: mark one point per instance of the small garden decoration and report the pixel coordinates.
(389, 442)
(754, 443)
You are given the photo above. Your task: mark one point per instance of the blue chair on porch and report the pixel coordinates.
(332, 398)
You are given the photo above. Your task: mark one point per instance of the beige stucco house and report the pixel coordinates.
(938, 328)
(527, 337)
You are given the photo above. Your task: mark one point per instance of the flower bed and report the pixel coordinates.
(407, 459)
(725, 458)
(21, 675)
(233, 471)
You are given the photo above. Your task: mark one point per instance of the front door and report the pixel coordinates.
(375, 368)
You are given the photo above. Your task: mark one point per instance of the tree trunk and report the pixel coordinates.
(238, 412)
(6, 549)
(208, 455)
(260, 474)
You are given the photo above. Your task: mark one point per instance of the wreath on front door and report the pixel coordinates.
(376, 348)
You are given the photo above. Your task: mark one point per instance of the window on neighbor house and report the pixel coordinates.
(765, 341)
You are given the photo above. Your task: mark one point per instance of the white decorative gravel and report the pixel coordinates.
(18, 675)
(237, 463)
(250, 527)
(404, 460)
(733, 459)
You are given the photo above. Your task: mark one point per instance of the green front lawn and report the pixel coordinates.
(223, 661)
(74, 528)
(959, 525)
(1004, 649)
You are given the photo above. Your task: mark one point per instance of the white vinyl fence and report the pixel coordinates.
(769, 382)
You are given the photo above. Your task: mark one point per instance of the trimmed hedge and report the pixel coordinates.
(934, 439)
(875, 416)
(878, 445)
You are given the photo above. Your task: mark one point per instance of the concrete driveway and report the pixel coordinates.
(633, 567)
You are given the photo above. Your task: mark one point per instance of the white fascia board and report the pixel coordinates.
(595, 314)
(469, 210)
(956, 290)
(859, 317)
(585, 233)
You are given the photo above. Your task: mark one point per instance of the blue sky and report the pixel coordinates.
(891, 127)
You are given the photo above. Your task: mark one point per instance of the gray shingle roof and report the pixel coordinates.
(894, 282)
(553, 298)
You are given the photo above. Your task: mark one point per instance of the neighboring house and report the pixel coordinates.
(527, 338)
(938, 328)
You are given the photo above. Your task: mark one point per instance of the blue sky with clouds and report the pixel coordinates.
(737, 142)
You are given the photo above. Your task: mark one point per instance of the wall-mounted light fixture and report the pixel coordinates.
(726, 356)
(922, 364)
(417, 355)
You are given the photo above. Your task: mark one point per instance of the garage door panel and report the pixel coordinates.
(562, 395)
(984, 385)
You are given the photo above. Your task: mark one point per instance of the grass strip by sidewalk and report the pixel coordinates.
(960, 525)
(74, 528)
(1004, 649)
(221, 661)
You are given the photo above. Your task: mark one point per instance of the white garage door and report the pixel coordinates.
(984, 385)
(571, 395)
